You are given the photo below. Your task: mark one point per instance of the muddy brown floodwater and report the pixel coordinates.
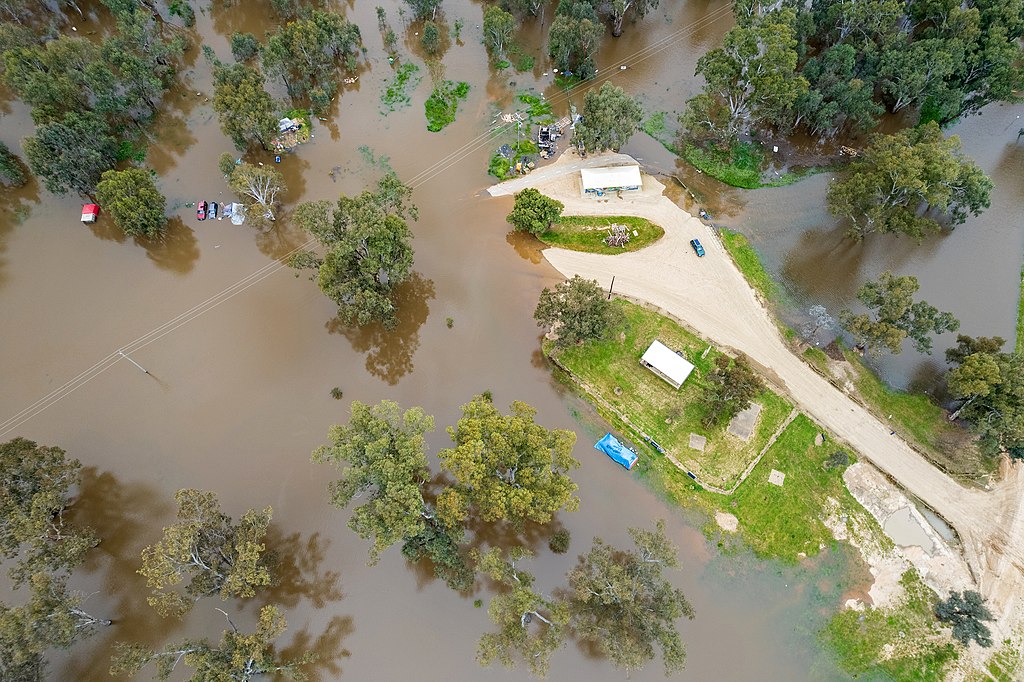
(238, 397)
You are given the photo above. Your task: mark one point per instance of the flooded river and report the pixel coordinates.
(238, 396)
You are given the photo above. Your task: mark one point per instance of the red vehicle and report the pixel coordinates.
(201, 210)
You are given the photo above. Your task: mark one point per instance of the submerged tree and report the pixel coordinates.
(507, 467)
(238, 657)
(369, 250)
(574, 38)
(991, 385)
(71, 154)
(967, 615)
(259, 184)
(305, 54)
(381, 454)
(499, 27)
(218, 555)
(133, 201)
(624, 605)
(11, 172)
(577, 310)
(610, 117)
(895, 316)
(37, 491)
(618, 9)
(245, 109)
(530, 625)
(903, 183)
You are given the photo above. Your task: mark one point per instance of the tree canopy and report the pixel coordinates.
(259, 185)
(246, 111)
(533, 212)
(575, 35)
(507, 467)
(730, 388)
(577, 310)
(70, 154)
(218, 555)
(624, 605)
(499, 27)
(238, 657)
(530, 625)
(306, 53)
(38, 485)
(966, 614)
(133, 201)
(894, 316)
(368, 250)
(990, 384)
(610, 117)
(11, 172)
(903, 182)
(382, 456)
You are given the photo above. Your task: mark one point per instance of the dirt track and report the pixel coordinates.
(712, 296)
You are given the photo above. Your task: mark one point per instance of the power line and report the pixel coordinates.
(434, 170)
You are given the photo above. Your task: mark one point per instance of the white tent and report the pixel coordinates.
(611, 178)
(671, 367)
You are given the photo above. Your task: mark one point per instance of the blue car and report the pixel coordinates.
(695, 243)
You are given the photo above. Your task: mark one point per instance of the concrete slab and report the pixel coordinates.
(742, 425)
(698, 442)
(776, 478)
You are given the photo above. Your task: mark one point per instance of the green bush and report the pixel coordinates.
(443, 103)
(559, 542)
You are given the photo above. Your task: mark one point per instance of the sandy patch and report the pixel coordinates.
(727, 521)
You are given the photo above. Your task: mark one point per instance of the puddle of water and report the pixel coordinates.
(906, 531)
(937, 524)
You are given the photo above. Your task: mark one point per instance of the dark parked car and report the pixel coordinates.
(695, 243)
(201, 210)
(211, 213)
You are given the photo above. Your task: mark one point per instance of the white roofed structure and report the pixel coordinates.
(667, 364)
(610, 179)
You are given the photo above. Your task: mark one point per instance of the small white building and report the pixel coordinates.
(667, 364)
(611, 179)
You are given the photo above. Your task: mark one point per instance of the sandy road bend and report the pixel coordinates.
(713, 297)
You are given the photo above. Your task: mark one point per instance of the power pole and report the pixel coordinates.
(121, 353)
(610, 287)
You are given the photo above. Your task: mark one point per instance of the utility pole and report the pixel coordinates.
(610, 286)
(121, 353)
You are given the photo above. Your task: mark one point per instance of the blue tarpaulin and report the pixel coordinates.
(611, 446)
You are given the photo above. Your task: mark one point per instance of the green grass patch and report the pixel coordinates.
(749, 263)
(1020, 316)
(537, 108)
(740, 166)
(1005, 665)
(587, 233)
(921, 421)
(817, 357)
(443, 103)
(396, 92)
(786, 521)
(501, 167)
(779, 523)
(668, 415)
(656, 126)
(905, 635)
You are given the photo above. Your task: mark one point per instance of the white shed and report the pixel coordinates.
(667, 364)
(610, 179)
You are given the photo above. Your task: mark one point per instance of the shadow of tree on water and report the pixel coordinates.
(299, 573)
(126, 517)
(389, 352)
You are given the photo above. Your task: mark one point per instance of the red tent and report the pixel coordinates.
(90, 213)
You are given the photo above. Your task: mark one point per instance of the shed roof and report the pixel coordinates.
(667, 364)
(613, 176)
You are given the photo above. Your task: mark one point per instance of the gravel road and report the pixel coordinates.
(712, 296)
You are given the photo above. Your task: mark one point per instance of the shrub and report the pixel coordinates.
(559, 542)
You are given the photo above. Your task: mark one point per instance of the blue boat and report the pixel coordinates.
(611, 446)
